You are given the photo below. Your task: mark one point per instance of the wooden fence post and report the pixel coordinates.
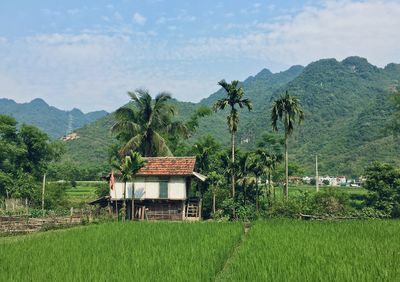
(71, 214)
(44, 184)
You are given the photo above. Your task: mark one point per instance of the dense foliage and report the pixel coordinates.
(25, 154)
(383, 183)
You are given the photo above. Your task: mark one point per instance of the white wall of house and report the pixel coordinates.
(177, 188)
(149, 188)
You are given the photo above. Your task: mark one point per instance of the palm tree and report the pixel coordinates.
(233, 99)
(257, 168)
(216, 181)
(130, 164)
(269, 160)
(270, 154)
(141, 129)
(286, 109)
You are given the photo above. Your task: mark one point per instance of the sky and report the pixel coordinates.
(88, 54)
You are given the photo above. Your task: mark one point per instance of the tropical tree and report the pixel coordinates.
(286, 109)
(233, 99)
(143, 128)
(215, 181)
(129, 165)
(269, 161)
(269, 153)
(255, 169)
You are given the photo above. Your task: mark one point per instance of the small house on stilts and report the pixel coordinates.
(160, 190)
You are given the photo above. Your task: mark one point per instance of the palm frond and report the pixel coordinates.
(160, 145)
(133, 144)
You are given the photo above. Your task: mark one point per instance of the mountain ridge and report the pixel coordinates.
(346, 104)
(53, 121)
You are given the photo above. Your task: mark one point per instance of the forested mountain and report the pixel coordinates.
(346, 104)
(53, 121)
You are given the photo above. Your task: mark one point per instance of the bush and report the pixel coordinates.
(233, 210)
(330, 202)
(383, 183)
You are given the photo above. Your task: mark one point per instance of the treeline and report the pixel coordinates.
(25, 155)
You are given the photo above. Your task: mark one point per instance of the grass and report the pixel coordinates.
(160, 251)
(81, 194)
(290, 250)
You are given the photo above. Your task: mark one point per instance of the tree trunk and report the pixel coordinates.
(269, 187)
(257, 194)
(233, 165)
(244, 193)
(133, 201)
(213, 201)
(286, 167)
(123, 211)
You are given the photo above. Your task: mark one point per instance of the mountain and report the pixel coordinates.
(346, 105)
(53, 121)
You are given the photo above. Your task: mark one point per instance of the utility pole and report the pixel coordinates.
(44, 184)
(316, 173)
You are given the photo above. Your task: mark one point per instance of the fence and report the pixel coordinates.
(17, 223)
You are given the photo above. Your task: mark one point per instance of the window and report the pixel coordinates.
(163, 190)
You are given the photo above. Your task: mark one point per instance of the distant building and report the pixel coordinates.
(307, 179)
(70, 137)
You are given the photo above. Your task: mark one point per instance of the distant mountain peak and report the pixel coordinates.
(39, 102)
(264, 73)
(355, 60)
(76, 111)
(360, 66)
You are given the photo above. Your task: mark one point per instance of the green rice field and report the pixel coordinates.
(81, 193)
(291, 250)
(273, 250)
(156, 251)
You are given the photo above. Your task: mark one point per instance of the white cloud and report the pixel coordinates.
(182, 17)
(73, 12)
(118, 16)
(337, 29)
(139, 19)
(94, 68)
(50, 12)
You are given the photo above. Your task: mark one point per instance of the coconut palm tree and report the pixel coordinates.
(142, 128)
(233, 99)
(286, 109)
(129, 165)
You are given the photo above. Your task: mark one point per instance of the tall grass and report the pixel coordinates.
(120, 252)
(290, 250)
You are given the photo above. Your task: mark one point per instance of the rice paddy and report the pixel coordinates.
(274, 250)
(291, 250)
(158, 251)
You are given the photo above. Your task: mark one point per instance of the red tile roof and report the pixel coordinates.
(168, 166)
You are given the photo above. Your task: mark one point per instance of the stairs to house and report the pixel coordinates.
(193, 209)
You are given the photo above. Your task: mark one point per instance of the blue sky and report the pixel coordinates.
(88, 54)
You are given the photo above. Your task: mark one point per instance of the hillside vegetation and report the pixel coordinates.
(347, 108)
(53, 121)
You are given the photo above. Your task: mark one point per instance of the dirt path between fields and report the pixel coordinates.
(220, 274)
